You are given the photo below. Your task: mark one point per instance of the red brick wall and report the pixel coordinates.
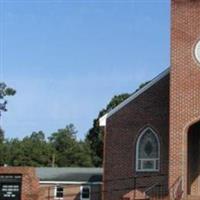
(184, 83)
(71, 192)
(150, 108)
(33, 190)
(30, 182)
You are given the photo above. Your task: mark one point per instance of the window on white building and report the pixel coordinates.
(148, 151)
(85, 193)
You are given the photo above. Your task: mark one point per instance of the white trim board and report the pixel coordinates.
(70, 182)
(103, 119)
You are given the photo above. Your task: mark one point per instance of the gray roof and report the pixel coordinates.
(70, 174)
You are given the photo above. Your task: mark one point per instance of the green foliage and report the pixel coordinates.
(69, 151)
(61, 149)
(142, 85)
(95, 135)
(30, 151)
(116, 100)
(1, 135)
(4, 91)
(9, 91)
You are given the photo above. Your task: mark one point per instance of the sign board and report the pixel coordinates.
(10, 187)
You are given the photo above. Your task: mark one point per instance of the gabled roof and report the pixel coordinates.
(69, 174)
(102, 120)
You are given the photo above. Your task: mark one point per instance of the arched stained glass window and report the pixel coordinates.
(148, 151)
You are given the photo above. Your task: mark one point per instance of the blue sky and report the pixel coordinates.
(66, 59)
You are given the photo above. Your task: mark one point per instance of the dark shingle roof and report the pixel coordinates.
(70, 174)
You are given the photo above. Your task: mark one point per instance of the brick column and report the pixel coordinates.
(184, 83)
(30, 182)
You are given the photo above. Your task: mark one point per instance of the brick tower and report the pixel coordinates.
(184, 159)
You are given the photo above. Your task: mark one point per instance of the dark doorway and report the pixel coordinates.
(10, 187)
(194, 159)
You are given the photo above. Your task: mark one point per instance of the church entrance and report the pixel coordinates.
(193, 175)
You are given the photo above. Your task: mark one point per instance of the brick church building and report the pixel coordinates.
(152, 139)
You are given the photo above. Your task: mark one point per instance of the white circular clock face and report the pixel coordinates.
(197, 51)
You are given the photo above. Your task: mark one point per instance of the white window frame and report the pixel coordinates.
(81, 190)
(55, 192)
(156, 161)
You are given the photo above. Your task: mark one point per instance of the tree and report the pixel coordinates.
(95, 135)
(32, 150)
(67, 150)
(62, 149)
(4, 91)
(1, 135)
